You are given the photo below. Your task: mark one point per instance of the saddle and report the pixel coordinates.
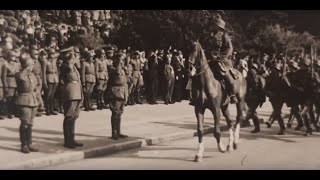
(223, 70)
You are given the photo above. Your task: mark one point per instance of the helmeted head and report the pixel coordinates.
(26, 62)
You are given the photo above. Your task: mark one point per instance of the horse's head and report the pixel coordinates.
(196, 58)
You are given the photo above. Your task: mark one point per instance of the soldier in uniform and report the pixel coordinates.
(13, 67)
(169, 78)
(3, 84)
(72, 91)
(37, 71)
(178, 67)
(117, 82)
(88, 77)
(109, 56)
(26, 102)
(128, 70)
(161, 64)
(102, 76)
(50, 81)
(219, 50)
(137, 78)
(153, 76)
(255, 96)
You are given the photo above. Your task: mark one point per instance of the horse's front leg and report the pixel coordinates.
(225, 112)
(200, 119)
(216, 131)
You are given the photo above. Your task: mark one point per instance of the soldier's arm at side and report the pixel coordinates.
(83, 73)
(44, 69)
(96, 68)
(4, 78)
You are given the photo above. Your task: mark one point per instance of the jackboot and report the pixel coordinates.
(24, 139)
(119, 129)
(74, 142)
(31, 148)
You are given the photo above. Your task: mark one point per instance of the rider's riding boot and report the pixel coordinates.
(230, 89)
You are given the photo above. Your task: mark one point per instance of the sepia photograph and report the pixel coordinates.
(159, 89)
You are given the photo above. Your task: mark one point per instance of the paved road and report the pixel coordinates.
(262, 151)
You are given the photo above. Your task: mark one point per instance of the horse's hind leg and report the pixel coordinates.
(200, 119)
(225, 112)
(240, 107)
(216, 132)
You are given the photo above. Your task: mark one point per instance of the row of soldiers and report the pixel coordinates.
(161, 73)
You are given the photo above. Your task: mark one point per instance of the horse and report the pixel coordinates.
(208, 93)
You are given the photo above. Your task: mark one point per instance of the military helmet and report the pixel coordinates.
(295, 65)
(306, 62)
(255, 66)
(25, 61)
(221, 23)
(278, 66)
(52, 51)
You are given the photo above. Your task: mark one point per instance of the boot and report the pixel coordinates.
(114, 128)
(74, 142)
(282, 127)
(31, 148)
(67, 130)
(138, 100)
(47, 106)
(24, 139)
(99, 103)
(118, 129)
(132, 100)
(256, 125)
(90, 105)
(230, 90)
(86, 103)
(52, 112)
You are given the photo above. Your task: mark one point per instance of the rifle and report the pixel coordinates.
(312, 60)
(285, 61)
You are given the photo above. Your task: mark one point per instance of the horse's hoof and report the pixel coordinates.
(230, 148)
(222, 149)
(198, 158)
(235, 146)
(289, 125)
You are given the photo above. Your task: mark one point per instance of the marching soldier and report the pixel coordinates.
(3, 84)
(13, 67)
(102, 76)
(117, 82)
(169, 78)
(50, 80)
(72, 91)
(26, 102)
(37, 71)
(255, 96)
(88, 76)
(137, 78)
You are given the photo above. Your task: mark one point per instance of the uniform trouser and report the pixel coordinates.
(154, 83)
(49, 96)
(117, 108)
(135, 93)
(26, 116)
(130, 94)
(229, 86)
(40, 100)
(169, 84)
(277, 106)
(11, 105)
(177, 93)
(101, 87)
(71, 114)
(252, 114)
(88, 89)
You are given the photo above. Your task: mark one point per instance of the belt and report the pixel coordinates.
(74, 82)
(101, 70)
(51, 72)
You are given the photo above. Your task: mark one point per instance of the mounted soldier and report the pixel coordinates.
(218, 49)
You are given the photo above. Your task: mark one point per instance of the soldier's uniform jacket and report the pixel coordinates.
(118, 82)
(255, 91)
(37, 71)
(50, 71)
(88, 74)
(26, 88)
(3, 74)
(128, 71)
(101, 66)
(219, 48)
(70, 79)
(12, 69)
(136, 65)
(168, 72)
(153, 67)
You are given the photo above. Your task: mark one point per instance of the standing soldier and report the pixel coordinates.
(88, 77)
(178, 67)
(137, 78)
(153, 78)
(38, 74)
(72, 91)
(26, 102)
(117, 82)
(13, 67)
(102, 76)
(128, 70)
(3, 84)
(169, 78)
(50, 81)
(161, 71)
